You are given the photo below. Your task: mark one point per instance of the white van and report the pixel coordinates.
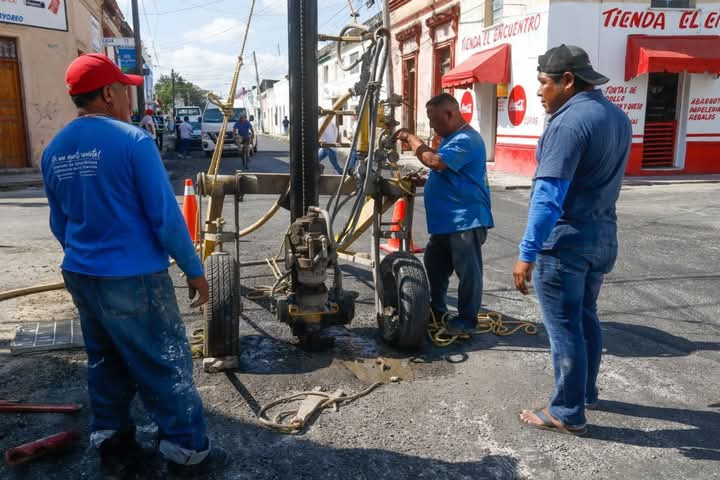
(212, 121)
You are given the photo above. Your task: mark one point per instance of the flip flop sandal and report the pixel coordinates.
(549, 425)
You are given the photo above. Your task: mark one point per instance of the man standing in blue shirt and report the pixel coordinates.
(571, 238)
(115, 215)
(457, 206)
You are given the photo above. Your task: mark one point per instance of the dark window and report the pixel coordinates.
(354, 58)
(672, 3)
(7, 48)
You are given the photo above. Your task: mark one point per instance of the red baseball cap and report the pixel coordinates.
(91, 71)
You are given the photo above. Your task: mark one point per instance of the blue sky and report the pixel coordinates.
(201, 39)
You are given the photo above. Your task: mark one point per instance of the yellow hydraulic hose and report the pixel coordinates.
(30, 290)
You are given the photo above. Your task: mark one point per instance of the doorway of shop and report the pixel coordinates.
(13, 147)
(663, 147)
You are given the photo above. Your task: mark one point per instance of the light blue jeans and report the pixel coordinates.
(136, 343)
(332, 157)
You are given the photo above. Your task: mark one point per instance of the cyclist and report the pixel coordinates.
(243, 132)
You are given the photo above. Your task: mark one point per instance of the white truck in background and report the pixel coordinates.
(212, 121)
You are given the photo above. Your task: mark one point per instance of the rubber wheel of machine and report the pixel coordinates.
(405, 287)
(207, 154)
(346, 302)
(222, 312)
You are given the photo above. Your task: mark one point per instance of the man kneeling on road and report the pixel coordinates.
(457, 206)
(115, 214)
(572, 227)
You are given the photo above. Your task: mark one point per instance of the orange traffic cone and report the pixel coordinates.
(190, 209)
(398, 217)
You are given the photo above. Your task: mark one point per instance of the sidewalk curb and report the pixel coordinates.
(5, 185)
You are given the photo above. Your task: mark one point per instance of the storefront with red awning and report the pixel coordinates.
(663, 65)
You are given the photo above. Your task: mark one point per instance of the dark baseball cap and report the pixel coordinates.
(569, 58)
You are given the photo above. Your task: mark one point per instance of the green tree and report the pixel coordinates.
(185, 91)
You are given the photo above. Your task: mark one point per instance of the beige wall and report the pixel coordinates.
(44, 56)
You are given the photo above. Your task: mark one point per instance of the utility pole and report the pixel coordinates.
(139, 63)
(172, 90)
(257, 80)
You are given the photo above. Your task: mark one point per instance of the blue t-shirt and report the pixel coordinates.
(458, 198)
(111, 204)
(587, 142)
(243, 128)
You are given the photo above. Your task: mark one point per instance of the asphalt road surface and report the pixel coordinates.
(455, 416)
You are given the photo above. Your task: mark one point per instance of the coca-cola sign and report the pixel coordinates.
(467, 106)
(517, 105)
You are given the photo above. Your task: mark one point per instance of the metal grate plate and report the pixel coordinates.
(46, 336)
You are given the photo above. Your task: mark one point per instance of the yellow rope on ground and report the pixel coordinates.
(490, 322)
(296, 422)
(197, 340)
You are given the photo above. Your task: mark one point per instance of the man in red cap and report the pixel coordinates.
(114, 212)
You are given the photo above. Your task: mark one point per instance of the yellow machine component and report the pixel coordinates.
(311, 317)
(215, 205)
(364, 126)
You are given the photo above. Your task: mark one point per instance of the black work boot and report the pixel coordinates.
(122, 457)
(216, 461)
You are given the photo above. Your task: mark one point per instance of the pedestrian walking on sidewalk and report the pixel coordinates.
(329, 135)
(457, 206)
(570, 242)
(115, 215)
(286, 125)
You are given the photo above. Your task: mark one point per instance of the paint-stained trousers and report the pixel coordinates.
(136, 343)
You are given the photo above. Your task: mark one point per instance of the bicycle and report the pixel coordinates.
(244, 147)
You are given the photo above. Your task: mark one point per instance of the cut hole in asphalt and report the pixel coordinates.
(380, 369)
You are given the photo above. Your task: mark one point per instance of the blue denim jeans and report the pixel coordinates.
(136, 343)
(568, 283)
(459, 252)
(332, 156)
(185, 146)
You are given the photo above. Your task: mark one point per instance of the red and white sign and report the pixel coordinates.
(517, 105)
(659, 20)
(467, 106)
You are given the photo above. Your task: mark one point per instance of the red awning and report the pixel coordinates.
(693, 54)
(488, 66)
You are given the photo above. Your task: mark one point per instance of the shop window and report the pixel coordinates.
(672, 3)
(443, 64)
(497, 10)
(7, 48)
(409, 93)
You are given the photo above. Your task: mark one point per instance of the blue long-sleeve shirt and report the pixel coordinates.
(545, 209)
(112, 207)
